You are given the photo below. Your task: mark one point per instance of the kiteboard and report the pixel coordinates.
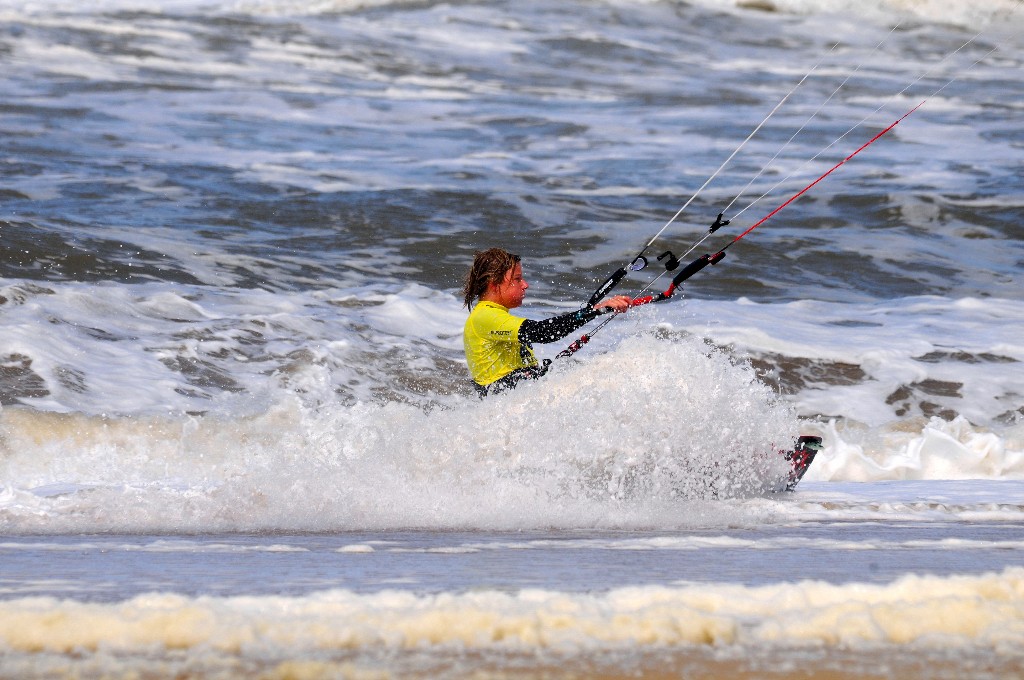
(800, 458)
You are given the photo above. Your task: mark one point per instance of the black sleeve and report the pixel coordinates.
(555, 328)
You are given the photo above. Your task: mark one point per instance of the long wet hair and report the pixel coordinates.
(489, 266)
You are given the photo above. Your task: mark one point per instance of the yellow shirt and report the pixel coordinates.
(491, 339)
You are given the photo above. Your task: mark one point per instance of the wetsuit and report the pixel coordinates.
(499, 346)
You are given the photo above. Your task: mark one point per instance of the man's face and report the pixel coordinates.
(510, 292)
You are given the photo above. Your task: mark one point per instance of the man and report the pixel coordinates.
(499, 346)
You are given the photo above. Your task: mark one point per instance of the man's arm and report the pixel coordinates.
(555, 328)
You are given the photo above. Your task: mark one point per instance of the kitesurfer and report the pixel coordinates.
(499, 346)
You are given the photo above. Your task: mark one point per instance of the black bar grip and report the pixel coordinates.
(607, 286)
(691, 269)
(695, 266)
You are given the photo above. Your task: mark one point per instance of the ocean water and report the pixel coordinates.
(236, 432)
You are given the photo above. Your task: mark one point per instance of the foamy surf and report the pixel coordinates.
(572, 446)
(334, 631)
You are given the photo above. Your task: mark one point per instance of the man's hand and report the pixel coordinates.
(617, 303)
